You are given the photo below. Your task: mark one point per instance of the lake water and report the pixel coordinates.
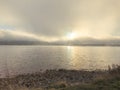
(27, 59)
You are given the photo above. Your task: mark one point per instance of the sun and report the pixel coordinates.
(71, 36)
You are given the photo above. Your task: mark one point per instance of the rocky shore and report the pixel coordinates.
(57, 78)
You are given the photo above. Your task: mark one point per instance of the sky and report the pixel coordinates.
(59, 20)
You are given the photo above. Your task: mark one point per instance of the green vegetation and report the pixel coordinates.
(109, 81)
(65, 80)
(111, 84)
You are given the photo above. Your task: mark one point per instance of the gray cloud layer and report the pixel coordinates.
(56, 18)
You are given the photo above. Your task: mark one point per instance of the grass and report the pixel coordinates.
(112, 84)
(65, 80)
(109, 81)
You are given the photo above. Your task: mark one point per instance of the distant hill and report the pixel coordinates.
(22, 43)
(79, 42)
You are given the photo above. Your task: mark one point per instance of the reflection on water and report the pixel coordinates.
(24, 59)
(88, 57)
(72, 54)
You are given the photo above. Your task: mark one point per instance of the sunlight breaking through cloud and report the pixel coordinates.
(60, 20)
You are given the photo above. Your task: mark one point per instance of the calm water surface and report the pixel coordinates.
(27, 59)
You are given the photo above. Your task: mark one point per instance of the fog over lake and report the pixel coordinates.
(28, 59)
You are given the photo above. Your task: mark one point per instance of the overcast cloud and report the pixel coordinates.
(53, 19)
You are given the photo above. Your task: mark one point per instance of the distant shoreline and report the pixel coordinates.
(59, 45)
